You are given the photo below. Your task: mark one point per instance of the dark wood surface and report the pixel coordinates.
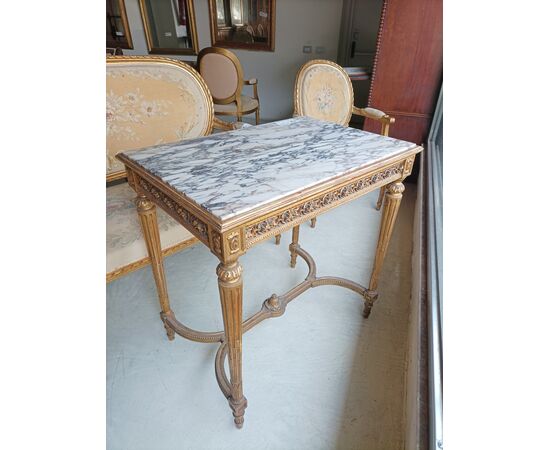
(408, 68)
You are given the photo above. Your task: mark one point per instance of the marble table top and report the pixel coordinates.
(233, 172)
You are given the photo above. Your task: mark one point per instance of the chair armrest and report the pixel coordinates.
(225, 126)
(374, 114)
(254, 83)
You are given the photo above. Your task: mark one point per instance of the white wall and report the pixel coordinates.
(298, 23)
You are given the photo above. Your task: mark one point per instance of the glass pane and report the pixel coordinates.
(115, 24)
(169, 24)
(243, 21)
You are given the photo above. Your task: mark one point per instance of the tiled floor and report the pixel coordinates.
(319, 377)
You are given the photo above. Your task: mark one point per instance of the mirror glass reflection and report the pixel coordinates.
(118, 31)
(245, 24)
(169, 26)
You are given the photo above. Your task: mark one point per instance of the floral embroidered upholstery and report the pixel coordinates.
(323, 91)
(153, 102)
(150, 100)
(125, 242)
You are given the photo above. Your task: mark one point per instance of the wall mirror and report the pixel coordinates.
(118, 31)
(169, 26)
(246, 24)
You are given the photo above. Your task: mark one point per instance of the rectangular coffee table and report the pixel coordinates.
(236, 189)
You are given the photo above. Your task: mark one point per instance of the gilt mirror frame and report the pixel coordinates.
(192, 28)
(126, 42)
(224, 21)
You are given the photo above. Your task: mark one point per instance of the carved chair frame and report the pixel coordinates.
(236, 96)
(369, 113)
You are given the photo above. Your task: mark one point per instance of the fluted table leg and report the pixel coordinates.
(292, 246)
(231, 296)
(392, 200)
(149, 226)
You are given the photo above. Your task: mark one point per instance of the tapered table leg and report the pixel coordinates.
(380, 198)
(294, 243)
(392, 200)
(231, 296)
(148, 218)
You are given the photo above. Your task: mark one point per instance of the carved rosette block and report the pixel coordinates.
(148, 218)
(231, 292)
(408, 165)
(234, 242)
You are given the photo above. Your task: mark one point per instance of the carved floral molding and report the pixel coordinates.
(267, 226)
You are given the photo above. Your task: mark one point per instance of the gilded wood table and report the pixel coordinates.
(236, 189)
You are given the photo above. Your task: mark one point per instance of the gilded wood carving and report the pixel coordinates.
(231, 238)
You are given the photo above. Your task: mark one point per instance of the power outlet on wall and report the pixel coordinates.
(319, 49)
(306, 49)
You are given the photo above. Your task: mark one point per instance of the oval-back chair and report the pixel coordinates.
(223, 73)
(323, 90)
(150, 100)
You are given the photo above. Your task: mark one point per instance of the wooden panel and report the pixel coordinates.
(408, 66)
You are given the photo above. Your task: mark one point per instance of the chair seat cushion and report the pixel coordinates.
(125, 243)
(247, 104)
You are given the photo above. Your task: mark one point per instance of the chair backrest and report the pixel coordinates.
(323, 91)
(153, 100)
(223, 73)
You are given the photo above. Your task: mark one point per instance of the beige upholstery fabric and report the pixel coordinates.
(151, 103)
(148, 102)
(220, 75)
(125, 243)
(247, 103)
(325, 94)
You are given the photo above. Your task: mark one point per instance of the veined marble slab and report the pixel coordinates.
(233, 172)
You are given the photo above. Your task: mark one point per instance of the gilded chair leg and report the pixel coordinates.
(277, 239)
(293, 245)
(380, 198)
(257, 117)
(231, 295)
(394, 194)
(148, 218)
(313, 222)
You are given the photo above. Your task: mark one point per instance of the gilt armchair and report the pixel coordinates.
(323, 90)
(223, 73)
(150, 100)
